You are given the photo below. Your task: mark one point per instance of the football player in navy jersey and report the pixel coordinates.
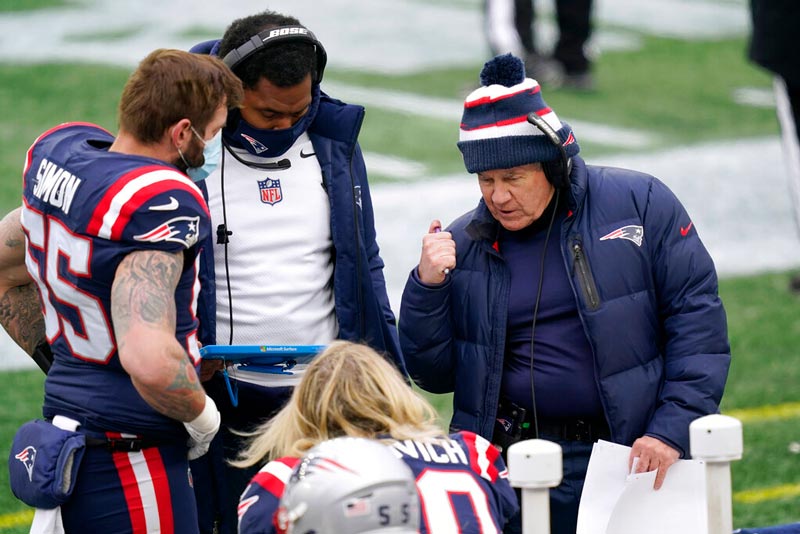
(110, 228)
(349, 390)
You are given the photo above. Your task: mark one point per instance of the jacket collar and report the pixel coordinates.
(482, 226)
(578, 181)
(337, 120)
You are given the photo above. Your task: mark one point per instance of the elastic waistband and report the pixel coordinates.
(97, 435)
(124, 444)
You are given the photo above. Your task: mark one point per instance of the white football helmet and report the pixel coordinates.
(350, 486)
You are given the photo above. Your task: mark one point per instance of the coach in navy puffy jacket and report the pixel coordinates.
(655, 324)
(575, 303)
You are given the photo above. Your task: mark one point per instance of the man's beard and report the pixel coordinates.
(192, 157)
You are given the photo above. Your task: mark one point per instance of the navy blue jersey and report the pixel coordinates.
(84, 210)
(462, 484)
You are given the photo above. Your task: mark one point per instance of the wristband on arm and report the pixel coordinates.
(43, 356)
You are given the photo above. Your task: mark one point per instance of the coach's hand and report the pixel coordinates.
(653, 455)
(202, 429)
(438, 255)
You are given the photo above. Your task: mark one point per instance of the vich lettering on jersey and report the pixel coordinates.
(55, 185)
(440, 451)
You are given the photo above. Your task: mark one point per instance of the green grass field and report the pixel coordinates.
(28, 5)
(681, 91)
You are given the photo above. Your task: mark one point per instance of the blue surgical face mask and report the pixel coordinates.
(212, 151)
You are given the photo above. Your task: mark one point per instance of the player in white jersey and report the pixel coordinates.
(111, 230)
(294, 258)
(349, 390)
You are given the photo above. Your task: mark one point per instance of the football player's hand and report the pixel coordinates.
(202, 429)
(208, 368)
(438, 255)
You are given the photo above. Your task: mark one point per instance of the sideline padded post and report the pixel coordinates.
(717, 440)
(534, 466)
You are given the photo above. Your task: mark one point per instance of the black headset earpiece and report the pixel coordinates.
(557, 170)
(273, 36)
(554, 171)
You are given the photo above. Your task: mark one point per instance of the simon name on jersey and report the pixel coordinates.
(55, 185)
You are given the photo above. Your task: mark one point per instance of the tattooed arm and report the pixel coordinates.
(143, 314)
(20, 307)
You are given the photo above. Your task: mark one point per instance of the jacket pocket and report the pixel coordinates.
(581, 269)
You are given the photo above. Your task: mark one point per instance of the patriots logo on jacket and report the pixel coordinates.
(271, 192)
(181, 230)
(257, 145)
(505, 423)
(631, 232)
(28, 458)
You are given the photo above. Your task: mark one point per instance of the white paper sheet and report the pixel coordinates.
(614, 502)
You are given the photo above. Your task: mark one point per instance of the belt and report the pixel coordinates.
(122, 444)
(573, 429)
(110, 444)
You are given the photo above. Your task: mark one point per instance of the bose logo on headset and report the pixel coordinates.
(287, 31)
(275, 36)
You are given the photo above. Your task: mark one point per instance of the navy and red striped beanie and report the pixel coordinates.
(495, 132)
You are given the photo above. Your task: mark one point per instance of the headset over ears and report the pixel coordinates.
(557, 170)
(273, 36)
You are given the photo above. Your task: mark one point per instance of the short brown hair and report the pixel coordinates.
(170, 85)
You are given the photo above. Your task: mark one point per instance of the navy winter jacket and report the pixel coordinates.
(359, 288)
(650, 310)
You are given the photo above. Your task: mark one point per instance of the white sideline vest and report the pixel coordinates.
(280, 255)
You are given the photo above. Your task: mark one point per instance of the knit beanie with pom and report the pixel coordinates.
(495, 132)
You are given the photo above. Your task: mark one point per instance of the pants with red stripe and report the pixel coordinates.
(133, 492)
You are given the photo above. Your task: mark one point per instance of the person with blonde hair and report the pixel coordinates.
(350, 390)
